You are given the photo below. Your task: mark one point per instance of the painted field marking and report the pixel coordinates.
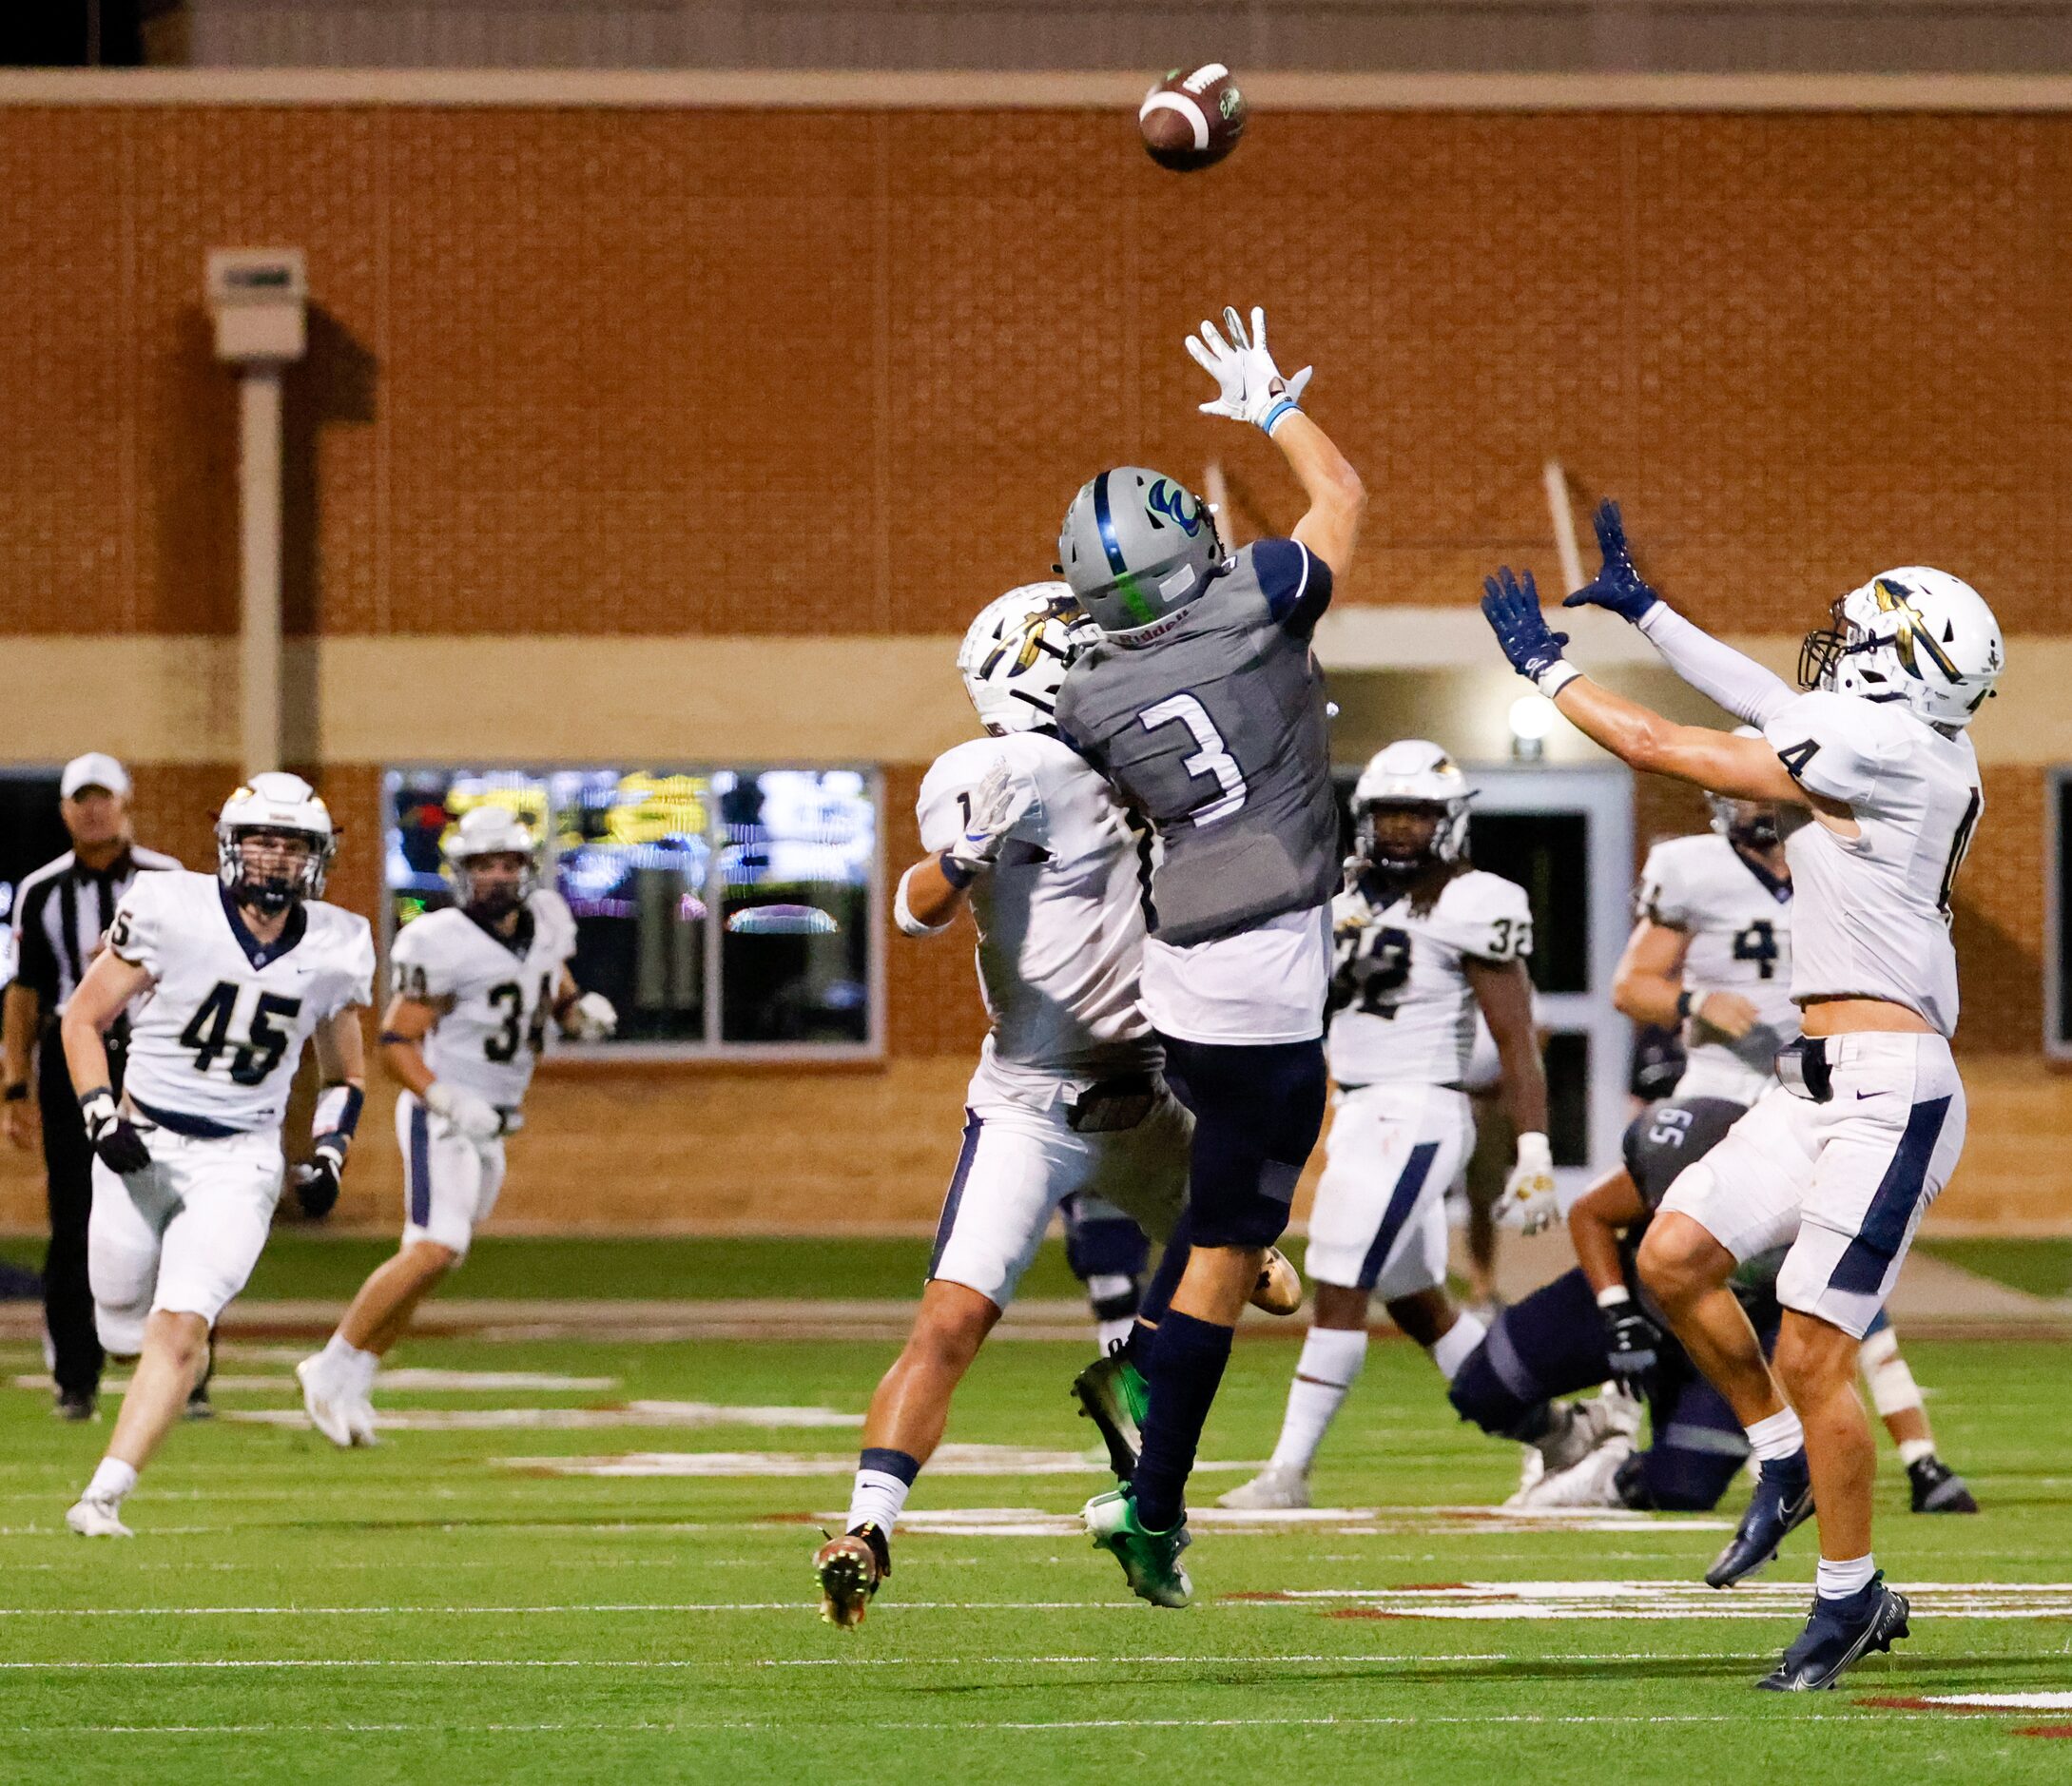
(1338, 1522)
(949, 1460)
(2039, 1701)
(412, 1378)
(641, 1414)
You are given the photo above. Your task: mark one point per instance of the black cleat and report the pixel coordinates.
(1840, 1633)
(75, 1405)
(1937, 1488)
(1113, 1394)
(1783, 1501)
(199, 1406)
(849, 1569)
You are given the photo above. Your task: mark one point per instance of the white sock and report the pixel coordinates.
(1110, 1333)
(1912, 1450)
(1331, 1358)
(112, 1480)
(1776, 1436)
(1838, 1580)
(879, 1498)
(1457, 1344)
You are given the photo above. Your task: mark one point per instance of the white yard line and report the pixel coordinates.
(1125, 1659)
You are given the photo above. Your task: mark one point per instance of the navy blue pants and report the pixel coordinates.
(1258, 1110)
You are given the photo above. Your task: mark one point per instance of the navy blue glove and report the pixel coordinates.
(1618, 584)
(1513, 612)
(1633, 1344)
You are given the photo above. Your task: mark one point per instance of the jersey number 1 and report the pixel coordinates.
(1212, 759)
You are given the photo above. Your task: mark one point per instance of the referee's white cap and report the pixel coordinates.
(95, 769)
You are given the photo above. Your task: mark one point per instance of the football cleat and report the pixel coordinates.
(97, 1515)
(1113, 1394)
(1532, 1471)
(849, 1569)
(1589, 1484)
(326, 1406)
(1274, 1489)
(359, 1420)
(1840, 1633)
(1783, 1501)
(1578, 1429)
(1937, 1488)
(1150, 1561)
(75, 1405)
(1279, 1289)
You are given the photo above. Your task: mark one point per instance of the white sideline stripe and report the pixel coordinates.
(2006, 1702)
(638, 1413)
(411, 1377)
(909, 1662)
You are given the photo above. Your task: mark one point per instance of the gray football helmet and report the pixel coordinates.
(1138, 546)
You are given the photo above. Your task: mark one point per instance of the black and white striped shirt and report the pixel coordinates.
(62, 911)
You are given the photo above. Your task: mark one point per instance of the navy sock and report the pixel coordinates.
(1184, 1372)
(1157, 1295)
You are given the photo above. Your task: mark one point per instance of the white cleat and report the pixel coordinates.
(1589, 1484)
(1621, 1411)
(360, 1418)
(1531, 1467)
(329, 1411)
(97, 1515)
(1272, 1490)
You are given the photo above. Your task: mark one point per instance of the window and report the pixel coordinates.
(723, 911)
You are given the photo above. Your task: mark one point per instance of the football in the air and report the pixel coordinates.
(1193, 119)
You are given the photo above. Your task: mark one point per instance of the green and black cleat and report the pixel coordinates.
(1113, 1394)
(1150, 1561)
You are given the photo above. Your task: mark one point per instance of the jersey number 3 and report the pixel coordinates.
(208, 1033)
(1212, 759)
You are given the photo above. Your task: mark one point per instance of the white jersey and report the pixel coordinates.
(1061, 917)
(1738, 920)
(1402, 1008)
(214, 1043)
(495, 995)
(1872, 911)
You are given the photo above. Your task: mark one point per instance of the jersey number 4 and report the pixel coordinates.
(510, 999)
(1759, 943)
(208, 1033)
(1212, 759)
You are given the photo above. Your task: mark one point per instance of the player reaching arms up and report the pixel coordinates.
(1880, 790)
(1204, 704)
(225, 977)
(477, 984)
(1424, 942)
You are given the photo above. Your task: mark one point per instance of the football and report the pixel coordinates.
(1193, 119)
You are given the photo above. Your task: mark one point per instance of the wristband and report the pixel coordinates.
(17, 1092)
(1616, 1297)
(1684, 1002)
(1285, 407)
(959, 874)
(1555, 677)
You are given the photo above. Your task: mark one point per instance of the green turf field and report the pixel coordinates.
(428, 1612)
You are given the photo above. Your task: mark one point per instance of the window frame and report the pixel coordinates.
(2057, 1042)
(564, 1054)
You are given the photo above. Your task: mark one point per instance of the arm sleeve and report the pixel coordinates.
(1739, 684)
(1658, 901)
(1297, 583)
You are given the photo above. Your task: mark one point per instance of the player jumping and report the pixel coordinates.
(1203, 703)
(225, 977)
(477, 984)
(1422, 942)
(1880, 787)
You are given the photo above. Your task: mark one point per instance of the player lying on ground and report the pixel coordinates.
(1068, 1098)
(1204, 704)
(1880, 789)
(1422, 941)
(475, 985)
(1597, 1323)
(1710, 953)
(229, 975)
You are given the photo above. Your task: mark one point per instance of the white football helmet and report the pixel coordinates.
(489, 830)
(1412, 772)
(1015, 656)
(274, 802)
(1751, 824)
(1915, 635)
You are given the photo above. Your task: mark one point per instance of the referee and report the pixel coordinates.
(61, 913)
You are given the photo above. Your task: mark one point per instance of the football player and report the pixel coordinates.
(1068, 1098)
(1422, 942)
(1880, 791)
(477, 984)
(224, 977)
(1710, 953)
(1203, 703)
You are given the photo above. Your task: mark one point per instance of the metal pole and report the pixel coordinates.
(259, 496)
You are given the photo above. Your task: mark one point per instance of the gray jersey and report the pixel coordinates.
(1211, 724)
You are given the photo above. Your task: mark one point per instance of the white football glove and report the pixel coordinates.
(593, 1018)
(996, 802)
(1251, 385)
(1528, 1202)
(473, 1116)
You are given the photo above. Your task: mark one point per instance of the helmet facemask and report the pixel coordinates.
(271, 888)
(494, 898)
(1396, 859)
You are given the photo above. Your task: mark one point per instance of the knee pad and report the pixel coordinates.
(1478, 1393)
(1112, 1295)
(1892, 1387)
(1105, 1246)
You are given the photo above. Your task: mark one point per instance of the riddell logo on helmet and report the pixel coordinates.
(1172, 502)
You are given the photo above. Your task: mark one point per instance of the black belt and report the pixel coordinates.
(201, 1128)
